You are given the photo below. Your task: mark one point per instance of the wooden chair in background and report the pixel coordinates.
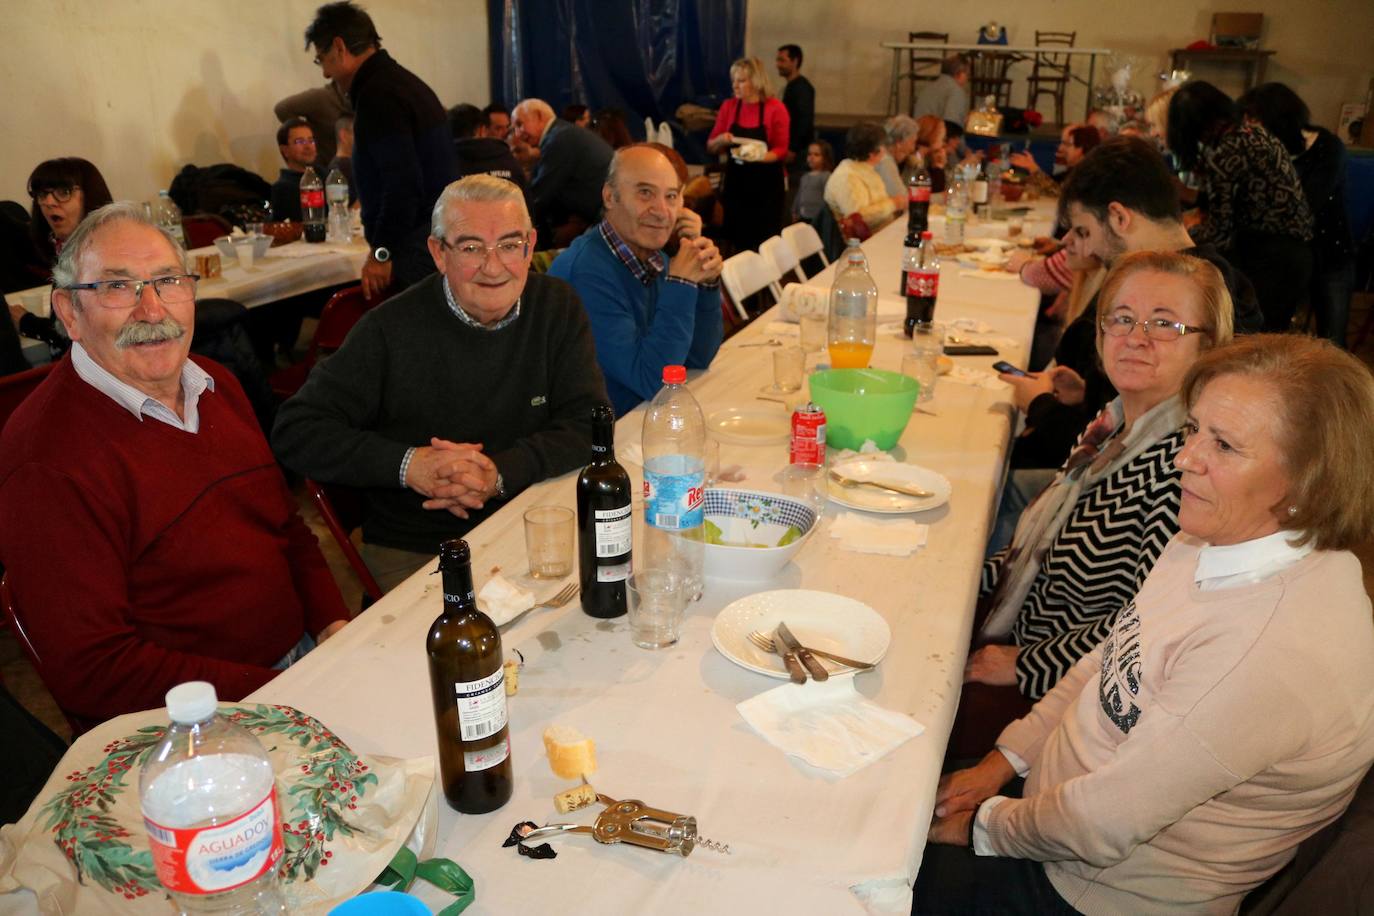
(1050, 71)
(988, 77)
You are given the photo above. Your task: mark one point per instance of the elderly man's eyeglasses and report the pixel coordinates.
(123, 294)
(510, 252)
(1154, 328)
(59, 193)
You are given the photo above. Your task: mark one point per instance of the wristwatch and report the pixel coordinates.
(500, 486)
(381, 255)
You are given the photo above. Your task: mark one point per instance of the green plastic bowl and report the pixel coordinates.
(863, 404)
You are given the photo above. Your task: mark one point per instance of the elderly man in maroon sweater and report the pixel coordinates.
(147, 533)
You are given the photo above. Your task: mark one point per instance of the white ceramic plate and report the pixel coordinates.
(874, 500)
(819, 620)
(750, 425)
(991, 243)
(992, 257)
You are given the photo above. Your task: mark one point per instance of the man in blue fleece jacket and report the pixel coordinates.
(648, 310)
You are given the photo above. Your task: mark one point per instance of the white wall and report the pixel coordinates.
(1325, 47)
(143, 87)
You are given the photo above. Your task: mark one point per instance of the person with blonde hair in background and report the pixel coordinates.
(754, 187)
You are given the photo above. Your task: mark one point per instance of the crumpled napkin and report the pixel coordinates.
(828, 724)
(969, 326)
(868, 451)
(978, 378)
(897, 537)
(502, 599)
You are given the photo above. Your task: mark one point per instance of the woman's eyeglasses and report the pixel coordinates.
(59, 193)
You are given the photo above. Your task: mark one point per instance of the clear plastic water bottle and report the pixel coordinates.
(995, 169)
(209, 802)
(336, 195)
(852, 326)
(168, 215)
(674, 442)
(312, 205)
(956, 211)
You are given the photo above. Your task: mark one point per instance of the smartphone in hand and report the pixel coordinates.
(1007, 368)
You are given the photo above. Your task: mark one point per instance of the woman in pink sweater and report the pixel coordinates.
(1230, 713)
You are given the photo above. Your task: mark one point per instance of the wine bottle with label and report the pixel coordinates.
(468, 681)
(604, 522)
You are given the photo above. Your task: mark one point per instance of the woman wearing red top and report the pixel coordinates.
(753, 195)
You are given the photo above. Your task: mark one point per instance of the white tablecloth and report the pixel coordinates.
(664, 722)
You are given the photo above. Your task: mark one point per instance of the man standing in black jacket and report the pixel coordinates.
(402, 153)
(799, 96)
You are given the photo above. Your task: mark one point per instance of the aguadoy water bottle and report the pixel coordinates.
(312, 205)
(852, 327)
(336, 195)
(956, 209)
(674, 443)
(209, 802)
(168, 216)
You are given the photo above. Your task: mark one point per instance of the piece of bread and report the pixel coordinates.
(512, 677)
(574, 798)
(571, 754)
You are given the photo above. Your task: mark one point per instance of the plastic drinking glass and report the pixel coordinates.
(657, 602)
(788, 364)
(549, 541)
(812, 333)
(923, 361)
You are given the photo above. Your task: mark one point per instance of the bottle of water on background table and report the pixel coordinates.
(209, 801)
(168, 216)
(956, 210)
(674, 442)
(336, 196)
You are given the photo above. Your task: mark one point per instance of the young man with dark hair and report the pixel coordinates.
(498, 120)
(799, 97)
(296, 142)
(403, 151)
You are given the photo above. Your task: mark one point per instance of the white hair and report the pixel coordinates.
(543, 108)
(475, 189)
(79, 242)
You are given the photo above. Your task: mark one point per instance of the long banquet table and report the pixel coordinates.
(664, 722)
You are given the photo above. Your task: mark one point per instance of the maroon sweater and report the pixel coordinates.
(141, 556)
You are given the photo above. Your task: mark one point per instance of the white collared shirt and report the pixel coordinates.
(1229, 566)
(195, 381)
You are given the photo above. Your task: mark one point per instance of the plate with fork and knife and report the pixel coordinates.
(829, 625)
(892, 487)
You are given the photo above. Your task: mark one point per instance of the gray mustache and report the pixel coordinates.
(141, 332)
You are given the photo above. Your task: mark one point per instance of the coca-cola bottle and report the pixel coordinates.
(918, 201)
(922, 286)
(312, 205)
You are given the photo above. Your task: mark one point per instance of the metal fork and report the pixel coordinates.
(560, 598)
(765, 642)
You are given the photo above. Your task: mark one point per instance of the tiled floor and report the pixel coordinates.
(22, 681)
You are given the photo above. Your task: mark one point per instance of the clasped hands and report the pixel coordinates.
(697, 259)
(959, 795)
(455, 476)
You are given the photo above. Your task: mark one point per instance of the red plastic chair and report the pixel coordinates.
(15, 388)
(9, 612)
(342, 510)
(203, 228)
(340, 313)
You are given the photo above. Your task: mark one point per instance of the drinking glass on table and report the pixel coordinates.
(245, 250)
(813, 332)
(549, 541)
(788, 364)
(657, 600)
(922, 362)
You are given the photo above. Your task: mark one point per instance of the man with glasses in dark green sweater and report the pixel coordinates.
(455, 395)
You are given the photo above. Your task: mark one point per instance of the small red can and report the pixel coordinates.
(808, 435)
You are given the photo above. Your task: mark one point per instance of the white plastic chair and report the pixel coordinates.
(783, 255)
(805, 241)
(747, 273)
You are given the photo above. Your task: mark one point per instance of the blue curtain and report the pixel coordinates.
(645, 57)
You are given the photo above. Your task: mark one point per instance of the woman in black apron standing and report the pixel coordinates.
(754, 191)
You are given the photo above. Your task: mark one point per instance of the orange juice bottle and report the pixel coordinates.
(853, 322)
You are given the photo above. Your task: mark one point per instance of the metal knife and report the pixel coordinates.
(815, 668)
(794, 668)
